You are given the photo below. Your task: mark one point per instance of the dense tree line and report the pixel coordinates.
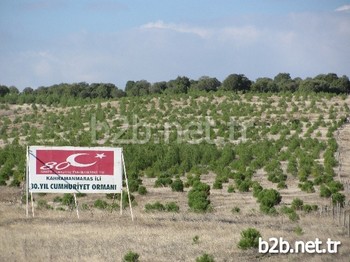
(67, 94)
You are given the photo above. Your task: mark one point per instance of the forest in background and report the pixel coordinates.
(73, 94)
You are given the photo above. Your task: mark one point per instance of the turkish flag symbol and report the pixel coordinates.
(75, 162)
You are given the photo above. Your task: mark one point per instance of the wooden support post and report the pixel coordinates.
(127, 188)
(344, 217)
(32, 200)
(76, 205)
(349, 224)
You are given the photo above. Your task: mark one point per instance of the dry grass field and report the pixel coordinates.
(104, 236)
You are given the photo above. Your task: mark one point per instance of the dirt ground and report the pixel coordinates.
(104, 236)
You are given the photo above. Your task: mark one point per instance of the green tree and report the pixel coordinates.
(4, 90)
(236, 82)
(180, 85)
(249, 239)
(264, 85)
(206, 83)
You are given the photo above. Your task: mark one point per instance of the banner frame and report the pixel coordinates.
(123, 173)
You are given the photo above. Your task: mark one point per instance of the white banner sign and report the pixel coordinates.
(75, 169)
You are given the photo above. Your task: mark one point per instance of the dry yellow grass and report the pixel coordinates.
(104, 236)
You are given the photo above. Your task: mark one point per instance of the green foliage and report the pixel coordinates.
(131, 257)
(293, 216)
(235, 210)
(335, 186)
(100, 204)
(172, 207)
(249, 239)
(297, 204)
(142, 190)
(163, 180)
(177, 185)
(307, 208)
(205, 258)
(125, 200)
(68, 199)
(217, 183)
(308, 187)
(325, 191)
(157, 206)
(192, 179)
(198, 197)
(257, 188)
(244, 186)
(268, 198)
(231, 189)
(338, 198)
(134, 181)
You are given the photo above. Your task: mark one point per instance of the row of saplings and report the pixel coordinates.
(198, 197)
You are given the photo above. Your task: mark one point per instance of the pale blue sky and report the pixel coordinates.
(48, 42)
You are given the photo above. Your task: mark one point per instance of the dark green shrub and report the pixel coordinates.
(198, 197)
(80, 194)
(163, 180)
(235, 210)
(297, 204)
(335, 186)
(257, 188)
(191, 179)
(325, 191)
(217, 183)
(314, 207)
(293, 216)
(172, 207)
(286, 210)
(100, 204)
(307, 187)
(338, 198)
(68, 199)
(231, 189)
(244, 186)
(157, 206)
(307, 208)
(205, 258)
(134, 185)
(249, 239)
(268, 198)
(15, 183)
(131, 257)
(142, 190)
(282, 185)
(177, 185)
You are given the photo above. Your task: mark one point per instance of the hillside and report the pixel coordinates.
(238, 144)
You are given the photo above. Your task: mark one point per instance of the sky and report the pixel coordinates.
(46, 42)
